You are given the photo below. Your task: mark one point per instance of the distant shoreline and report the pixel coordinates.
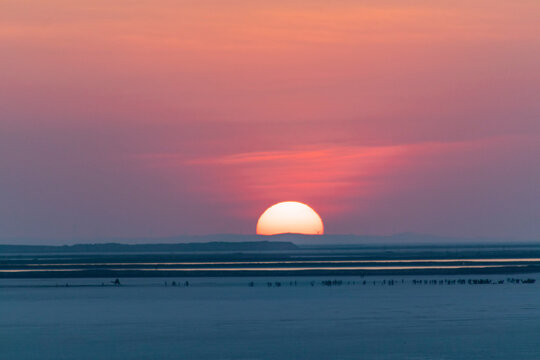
(320, 241)
(213, 246)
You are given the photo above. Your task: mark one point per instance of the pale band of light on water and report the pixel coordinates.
(297, 262)
(283, 268)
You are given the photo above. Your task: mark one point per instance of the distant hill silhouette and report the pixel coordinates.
(405, 239)
(129, 248)
(242, 242)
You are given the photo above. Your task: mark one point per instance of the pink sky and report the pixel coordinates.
(121, 119)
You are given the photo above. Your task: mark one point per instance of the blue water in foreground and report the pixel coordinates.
(224, 318)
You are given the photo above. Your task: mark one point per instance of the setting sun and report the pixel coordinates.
(290, 217)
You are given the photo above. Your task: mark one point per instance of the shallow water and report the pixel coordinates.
(80, 267)
(223, 318)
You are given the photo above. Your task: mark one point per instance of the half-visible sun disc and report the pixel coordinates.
(290, 217)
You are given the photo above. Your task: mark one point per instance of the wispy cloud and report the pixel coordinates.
(308, 174)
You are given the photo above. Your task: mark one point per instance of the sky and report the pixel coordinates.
(161, 118)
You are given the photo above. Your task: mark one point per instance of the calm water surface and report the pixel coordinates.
(224, 318)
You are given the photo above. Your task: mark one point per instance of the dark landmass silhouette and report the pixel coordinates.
(270, 242)
(149, 248)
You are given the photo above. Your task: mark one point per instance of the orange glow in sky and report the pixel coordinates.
(290, 217)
